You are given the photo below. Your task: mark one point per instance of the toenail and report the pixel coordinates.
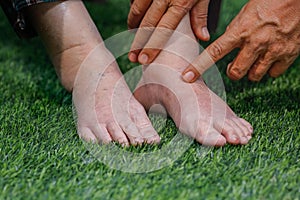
(188, 76)
(143, 59)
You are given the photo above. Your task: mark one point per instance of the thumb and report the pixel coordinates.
(199, 20)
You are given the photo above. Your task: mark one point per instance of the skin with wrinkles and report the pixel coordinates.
(268, 35)
(77, 52)
(195, 109)
(106, 109)
(165, 14)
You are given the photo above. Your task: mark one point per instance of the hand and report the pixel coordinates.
(268, 34)
(165, 15)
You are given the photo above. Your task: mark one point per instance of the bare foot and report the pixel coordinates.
(106, 109)
(195, 109)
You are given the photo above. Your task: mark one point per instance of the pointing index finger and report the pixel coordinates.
(162, 33)
(214, 52)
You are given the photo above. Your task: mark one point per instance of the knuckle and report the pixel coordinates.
(275, 50)
(257, 46)
(180, 9)
(135, 10)
(166, 28)
(160, 3)
(215, 50)
(200, 16)
(263, 63)
(228, 28)
(291, 51)
(147, 23)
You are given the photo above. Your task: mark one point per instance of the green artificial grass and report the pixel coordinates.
(43, 158)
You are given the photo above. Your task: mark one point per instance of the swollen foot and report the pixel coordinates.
(106, 109)
(195, 109)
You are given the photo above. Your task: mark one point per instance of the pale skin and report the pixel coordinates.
(87, 68)
(163, 14)
(196, 110)
(266, 32)
(69, 36)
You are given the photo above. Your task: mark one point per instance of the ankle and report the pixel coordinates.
(68, 62)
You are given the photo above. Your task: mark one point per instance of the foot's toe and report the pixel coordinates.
(87, 135)
(102, 134)
(146, 129)
(144, 125)
(235, 131)
(246, 131)
(132, 132)
(149, 134)
(247, 125)
(117, 134)
(240, 130)
(229, 132)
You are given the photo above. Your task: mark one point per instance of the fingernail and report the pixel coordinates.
(205, 32)
(188, 76)
(143, 59)
(132, 57)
